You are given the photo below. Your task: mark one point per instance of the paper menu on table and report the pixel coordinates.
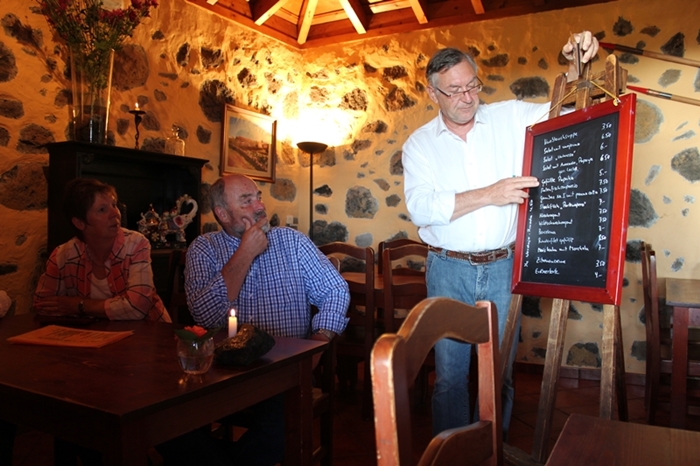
(55, 335)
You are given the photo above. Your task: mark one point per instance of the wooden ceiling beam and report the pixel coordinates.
(306, 16)
(478, 6)
(419, 9)
(262, 10)
(356, 15)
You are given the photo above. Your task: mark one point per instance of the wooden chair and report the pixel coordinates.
(404, 286)
(395, 243)
(397, 359)
(659, 346)
(177, 302)
(355, 343)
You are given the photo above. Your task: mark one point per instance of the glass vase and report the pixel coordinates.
(91, 79)
(195, 357)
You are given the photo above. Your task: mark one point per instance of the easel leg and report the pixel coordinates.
(613, 366)
(509, 331)
(552, 365)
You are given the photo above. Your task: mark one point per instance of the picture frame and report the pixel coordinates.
(248, 144)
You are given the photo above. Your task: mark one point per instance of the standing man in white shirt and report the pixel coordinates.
(462, 184)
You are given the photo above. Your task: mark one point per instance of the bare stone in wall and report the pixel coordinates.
(122, 126)
(653, 173)
(159, 95)
(246, 78)
(497, 61)
(622, 27)
(7, 268)
(542, 63)
(354, 100)
(677, 264)
(4, 137)
(150, 122)
(212, 96)
(675, 45)
(169, 76)
(25, 35)
(522, 61)
(647, 121)
(687, 135)
(357, 146)
(130, 67)
(650, 31)
(573, 313)
(359, 203)
(286, 155)
(395, 164)
(633, 251)
(393, 200)
(383, 184)
(32, 139)
(24, 187)
(495, 77)
(584, 354)
(364, 240)
(669, 77)
(211, 58)
(687, 164)
(158, 35)
(375, 127)
(273, 84)
(639, 350)
(696, 84)
(394, 72)
(8, 65)
(153, 145)
(275, 220)
(629, 59)
(318, 94)
(642, 213)
(397, 99)
(11, 108)
(473, 51)
(290, 107)
(283, 190)
(420, 87)
(183, 54)
(531, 307)
(324, 191)
(525, 88)
(325, 233)
(63, 98)
(369, 69)
(203, 135)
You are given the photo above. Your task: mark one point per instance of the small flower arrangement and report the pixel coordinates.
(90, 29)
(196, 333)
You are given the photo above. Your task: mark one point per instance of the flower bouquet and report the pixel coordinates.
(92, 34)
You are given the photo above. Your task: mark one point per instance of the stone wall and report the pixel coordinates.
(363, 99)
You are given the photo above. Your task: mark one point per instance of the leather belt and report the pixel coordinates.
(483, 257)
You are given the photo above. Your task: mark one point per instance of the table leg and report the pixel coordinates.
(298, 415)
(679, 367)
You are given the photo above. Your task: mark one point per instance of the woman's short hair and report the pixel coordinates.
(80, 195)
(444, 60)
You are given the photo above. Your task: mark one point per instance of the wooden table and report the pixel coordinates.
(131, 395)
(684, 296)
(587, 441)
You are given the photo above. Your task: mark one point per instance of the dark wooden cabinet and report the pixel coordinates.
(141, 178)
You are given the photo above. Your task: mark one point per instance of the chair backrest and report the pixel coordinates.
(391, 244)
(177, 305)
(354, 260)
(396, 361)
(653, 329)
(404, 287)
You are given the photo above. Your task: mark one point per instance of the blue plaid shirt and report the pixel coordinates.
(282, 283)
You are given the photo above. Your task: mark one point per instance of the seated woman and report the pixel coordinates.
(105, 270)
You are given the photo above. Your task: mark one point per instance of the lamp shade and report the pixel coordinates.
(312, 147)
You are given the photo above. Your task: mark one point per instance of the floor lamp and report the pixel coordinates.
(311, 148)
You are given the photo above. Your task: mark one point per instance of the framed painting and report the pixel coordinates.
(248, 144)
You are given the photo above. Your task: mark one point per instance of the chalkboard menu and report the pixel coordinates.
(572, 229)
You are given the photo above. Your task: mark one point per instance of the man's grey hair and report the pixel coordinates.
(444, 60)
(217, 197)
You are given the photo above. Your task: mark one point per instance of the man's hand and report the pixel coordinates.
(588, 43)
(511, 190)
(58, 306)
(254, 239)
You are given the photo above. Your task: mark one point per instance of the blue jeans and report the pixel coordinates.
(460, 280)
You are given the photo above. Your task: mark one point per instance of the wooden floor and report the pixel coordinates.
(354, 438)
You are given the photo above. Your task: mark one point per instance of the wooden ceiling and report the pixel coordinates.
(313, 23)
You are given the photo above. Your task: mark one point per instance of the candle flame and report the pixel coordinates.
(233, 313)
(137, 105)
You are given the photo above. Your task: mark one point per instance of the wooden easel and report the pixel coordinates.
(583, 94)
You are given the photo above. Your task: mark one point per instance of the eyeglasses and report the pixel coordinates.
(473, 90)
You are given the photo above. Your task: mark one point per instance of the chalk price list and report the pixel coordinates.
(568, 216)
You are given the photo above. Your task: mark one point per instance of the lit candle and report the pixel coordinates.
(232, 324)
(136, 105)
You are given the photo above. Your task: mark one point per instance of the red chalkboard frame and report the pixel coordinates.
(611, 293)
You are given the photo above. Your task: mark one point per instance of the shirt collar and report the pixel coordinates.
(479, 118)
